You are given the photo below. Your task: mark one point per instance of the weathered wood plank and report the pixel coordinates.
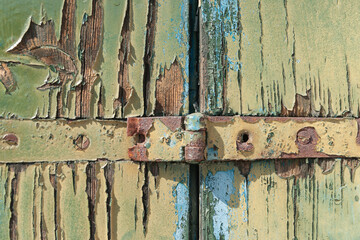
(5, 192)
(258, 56)
(265, 203)
(71, 208)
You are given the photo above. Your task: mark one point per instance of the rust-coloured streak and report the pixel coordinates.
(298, 168)
(90, 42)
(173, 123)
(219, 118)
(139, 125)
(124, 57)
(169, 90)
(194, 151)
(10, 139)
(138, 152)
(306, 141)
(244, 146)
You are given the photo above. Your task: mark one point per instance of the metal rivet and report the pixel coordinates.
(82, 142)
(10, 139)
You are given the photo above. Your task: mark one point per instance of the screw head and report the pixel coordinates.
(82, 142)
(10, 139)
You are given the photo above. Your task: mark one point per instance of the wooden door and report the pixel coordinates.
(280, 58)
(65, 68)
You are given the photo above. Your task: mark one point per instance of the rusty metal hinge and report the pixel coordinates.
(211, 138)
(192, 138)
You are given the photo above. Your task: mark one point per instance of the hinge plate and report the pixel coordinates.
(192, 138)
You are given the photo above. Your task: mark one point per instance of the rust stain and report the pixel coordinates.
(243, 143)
(298, 168)
(7, 78)
(11, 139)
(173, 123)
(195, 150)
(82, 142)
(220, 119)
(90, 42)
(139, 127)
(327, 165)
(352, 164)
(169, 91)
(306, 141)
(244, 167)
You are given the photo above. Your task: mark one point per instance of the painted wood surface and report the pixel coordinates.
(258, 201)
(94, 59)
(91, 59)
(263, 57)
(88, 200)
(279, 58)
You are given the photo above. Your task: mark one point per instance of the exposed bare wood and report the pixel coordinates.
(7, 78)
(169, 91)
(125, 57)
(90, 42)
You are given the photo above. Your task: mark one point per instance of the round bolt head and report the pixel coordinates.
(82, 142)
(10, 139)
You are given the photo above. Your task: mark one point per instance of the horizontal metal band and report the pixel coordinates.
(193, 138)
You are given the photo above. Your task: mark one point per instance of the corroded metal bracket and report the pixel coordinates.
(192, 138)
(211, 138)
(170, 138)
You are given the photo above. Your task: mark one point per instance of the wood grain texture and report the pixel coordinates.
(91, 59)
(281, 58)
(264, 205)
(259, 57)
(94, 200)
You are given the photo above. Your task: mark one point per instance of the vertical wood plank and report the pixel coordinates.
(126, 201)
(4, 202)
(72, 210)
(258, 56)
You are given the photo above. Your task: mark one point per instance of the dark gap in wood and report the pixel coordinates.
(109, 178)
(149, 45)
(91, 190)
(146, 198)
(154, 169)
(124, 57)
(34, 207)
(101, 113)
(43, 228)
(16, 168)
(194, 195)
(294, 191)
(194, 12)
(53, 181)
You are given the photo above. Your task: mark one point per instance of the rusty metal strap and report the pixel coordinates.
(193, 138)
